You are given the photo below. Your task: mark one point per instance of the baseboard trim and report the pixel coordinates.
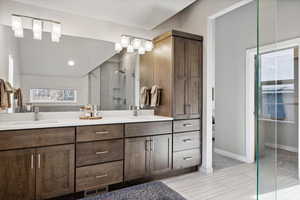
(232, 155)
(283, 147)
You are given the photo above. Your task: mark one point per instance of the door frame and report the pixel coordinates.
(250, 93)
(209, 84)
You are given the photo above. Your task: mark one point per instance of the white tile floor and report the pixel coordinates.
(238, 182)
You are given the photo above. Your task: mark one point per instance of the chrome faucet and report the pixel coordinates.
(135, 110)
(36, 113)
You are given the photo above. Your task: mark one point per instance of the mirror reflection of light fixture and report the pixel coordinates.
(118, 47)
(56, 32)
(37, 28)
(130, 49)
(134, 43)
(141, 50)
(71, 63)
(125, 41)
(148, 46)
(17, 26)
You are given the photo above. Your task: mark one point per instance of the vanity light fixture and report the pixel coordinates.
(118, 47)
(17, 26)
(148, 45)
(134, 43)
(130, 49)
(37, 27)
(56, 32)
(125, 40)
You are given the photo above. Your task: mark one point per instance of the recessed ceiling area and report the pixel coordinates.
(146, 14)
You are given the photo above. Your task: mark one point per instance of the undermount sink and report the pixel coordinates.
(35, 122)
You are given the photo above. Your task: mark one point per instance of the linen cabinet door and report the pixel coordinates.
(161, 154)
(180, 80)
(137, 158)
(55, 171)
(193, 62)
(17, 175)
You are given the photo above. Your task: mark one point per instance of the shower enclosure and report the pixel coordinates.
(276, 100)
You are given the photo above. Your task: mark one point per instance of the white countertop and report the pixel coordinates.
(53, 123)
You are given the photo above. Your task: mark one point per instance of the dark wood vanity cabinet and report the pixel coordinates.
(175, 65)
(37, 172)
(17, 175)
(148, 155)
(187, 78)
(55, 171)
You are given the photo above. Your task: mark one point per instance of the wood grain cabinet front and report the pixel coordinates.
(101, 132)
(38, 173)
(186, 140)
(36, 138)
(17, 175)
(98, 152)
(97, 176)
(187, 125)
(148, 129)
(187, 158)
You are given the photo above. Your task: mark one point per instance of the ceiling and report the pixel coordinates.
(43, 57)
(146, 14)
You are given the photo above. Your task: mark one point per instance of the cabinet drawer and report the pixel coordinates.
(187, 140)
(103, 132)
(186, 125)
(188, 158)
(98, 152)
(36, 137)
(97, 176)
(148, 128)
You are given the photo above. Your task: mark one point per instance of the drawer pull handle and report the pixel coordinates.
(39, 161)
(187, 140)
(187, 125)
(101, 152)
(101, 132)
(187, 158)
(32, 161)
(101, 176)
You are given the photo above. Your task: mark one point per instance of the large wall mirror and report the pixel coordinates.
(65, 75)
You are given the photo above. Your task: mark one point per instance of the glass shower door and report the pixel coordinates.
(277, 90)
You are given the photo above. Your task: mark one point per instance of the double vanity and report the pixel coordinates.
(51, 159)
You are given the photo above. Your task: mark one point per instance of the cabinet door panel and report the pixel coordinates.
(17, 175)
(55, 171)
(136, 158)
(180, 73)
(193, 62)
(161, 154)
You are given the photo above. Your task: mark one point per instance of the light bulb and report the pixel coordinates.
(148, 46)
(141, 50)
(17, 26)
(71, 63)
(118, 47)
(130, 49)
(56, 32)
(125, 41)
(37, 28)
(136, 43)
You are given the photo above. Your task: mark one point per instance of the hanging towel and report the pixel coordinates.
(19, 97)
(155, 96)
(4, 96)
(144, 97)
